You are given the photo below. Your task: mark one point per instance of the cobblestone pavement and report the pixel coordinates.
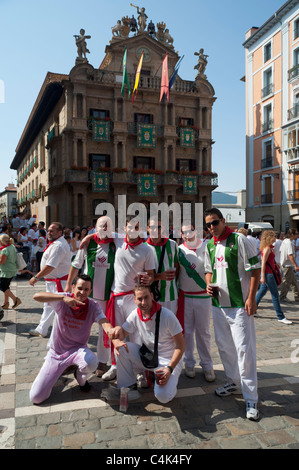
(195, 419)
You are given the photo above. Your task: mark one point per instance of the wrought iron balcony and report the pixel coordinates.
(267, 162)
(268, 125)
(267, 198)
(267, 90)
(293, 72)
(293, 112)
(293, 195)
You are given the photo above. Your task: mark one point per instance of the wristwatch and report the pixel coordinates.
(170, 368)
(35, 278)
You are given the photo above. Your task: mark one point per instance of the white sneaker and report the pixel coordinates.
(227, 389)
(252, 412)
(209, 375)
(286, 321)
(190, 372)
(110, 374)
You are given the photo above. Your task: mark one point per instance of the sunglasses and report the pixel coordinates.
(214, 223)
(185, 232)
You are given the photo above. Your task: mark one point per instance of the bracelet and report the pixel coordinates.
(170, 368)
(35, 278)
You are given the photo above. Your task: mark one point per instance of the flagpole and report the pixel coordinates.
(160, 64)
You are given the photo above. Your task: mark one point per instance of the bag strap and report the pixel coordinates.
(268, 264)
(157, 331)
(161, 258)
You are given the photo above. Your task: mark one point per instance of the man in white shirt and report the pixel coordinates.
(288, 265)
(55, 266)
(171, 345)
(232, 264)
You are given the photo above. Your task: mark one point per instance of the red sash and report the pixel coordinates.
(110, 314)
(58, 283)
(181, 305)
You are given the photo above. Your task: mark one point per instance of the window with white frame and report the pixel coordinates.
(267, 52)
(296, 29)
(267, 118)
(267, 83)
(267, 153)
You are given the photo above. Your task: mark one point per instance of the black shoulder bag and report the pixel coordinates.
(154, 286)
(148, 358)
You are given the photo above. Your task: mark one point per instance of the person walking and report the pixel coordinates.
(288, 265)
(232, 263)
(268, 281)
(8, 269)
(55, 266)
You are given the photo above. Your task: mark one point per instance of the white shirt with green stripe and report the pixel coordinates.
(231, 262)
(98, 260)
(192, 273)
(168, 289)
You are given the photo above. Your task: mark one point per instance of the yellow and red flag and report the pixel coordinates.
(134, 93)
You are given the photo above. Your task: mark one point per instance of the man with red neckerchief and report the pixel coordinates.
(167, 277)
(195, 307)
(55, 265)
(132, 256)
(171, 345)
(97, 260)
(75, 315)
(232, 264)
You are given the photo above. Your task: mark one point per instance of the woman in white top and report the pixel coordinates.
(22, 238)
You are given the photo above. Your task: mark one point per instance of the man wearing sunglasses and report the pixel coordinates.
(232, 264)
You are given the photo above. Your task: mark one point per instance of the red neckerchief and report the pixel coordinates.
(161, 243)
(4, 246)
(100, 241)
(155, 308)
(80, 311)
(224, 236)
(50, 243)
(133, 244)
(193, 248)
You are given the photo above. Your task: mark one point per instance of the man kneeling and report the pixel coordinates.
(171, 345)
(75, 314)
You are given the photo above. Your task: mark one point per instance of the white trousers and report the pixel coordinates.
(172, 305)
(236, 341)
(48, 311)
(55, 365)
(197, 319)
(103, 353)
(127, 362)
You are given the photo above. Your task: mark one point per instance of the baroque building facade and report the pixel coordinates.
(86, 143)
(272, 119)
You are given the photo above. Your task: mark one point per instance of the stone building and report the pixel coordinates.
(85, 142)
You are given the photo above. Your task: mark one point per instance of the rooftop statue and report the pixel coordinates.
(163, 34)
(201, 64)
(81, 46)
(122, 28)
(141, 18)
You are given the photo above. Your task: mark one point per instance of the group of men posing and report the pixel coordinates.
(115, 290)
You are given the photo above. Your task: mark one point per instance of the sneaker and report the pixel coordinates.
(190, 372)
(133, 393)
(110, 374)
(101, 369)
(209, 375)
(252, 412)
(142, 381)
(17, 302)
(227, 389)
(286, 321)
(285, 299)
(36, 333)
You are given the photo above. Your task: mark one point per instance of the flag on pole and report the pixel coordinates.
(175, 72)
(125, 75)
(137, 78)
(164, 79)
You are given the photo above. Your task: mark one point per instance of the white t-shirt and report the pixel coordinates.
(128, 262)
(169, 327)
(58, 256)
(192, 269)
(286, 249)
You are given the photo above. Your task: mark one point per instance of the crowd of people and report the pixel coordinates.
(153, 298)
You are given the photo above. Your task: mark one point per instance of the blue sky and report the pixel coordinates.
(37, 37)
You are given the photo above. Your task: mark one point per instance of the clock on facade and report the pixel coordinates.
(146, 53)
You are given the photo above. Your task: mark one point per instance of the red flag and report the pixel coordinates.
(164, 79)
